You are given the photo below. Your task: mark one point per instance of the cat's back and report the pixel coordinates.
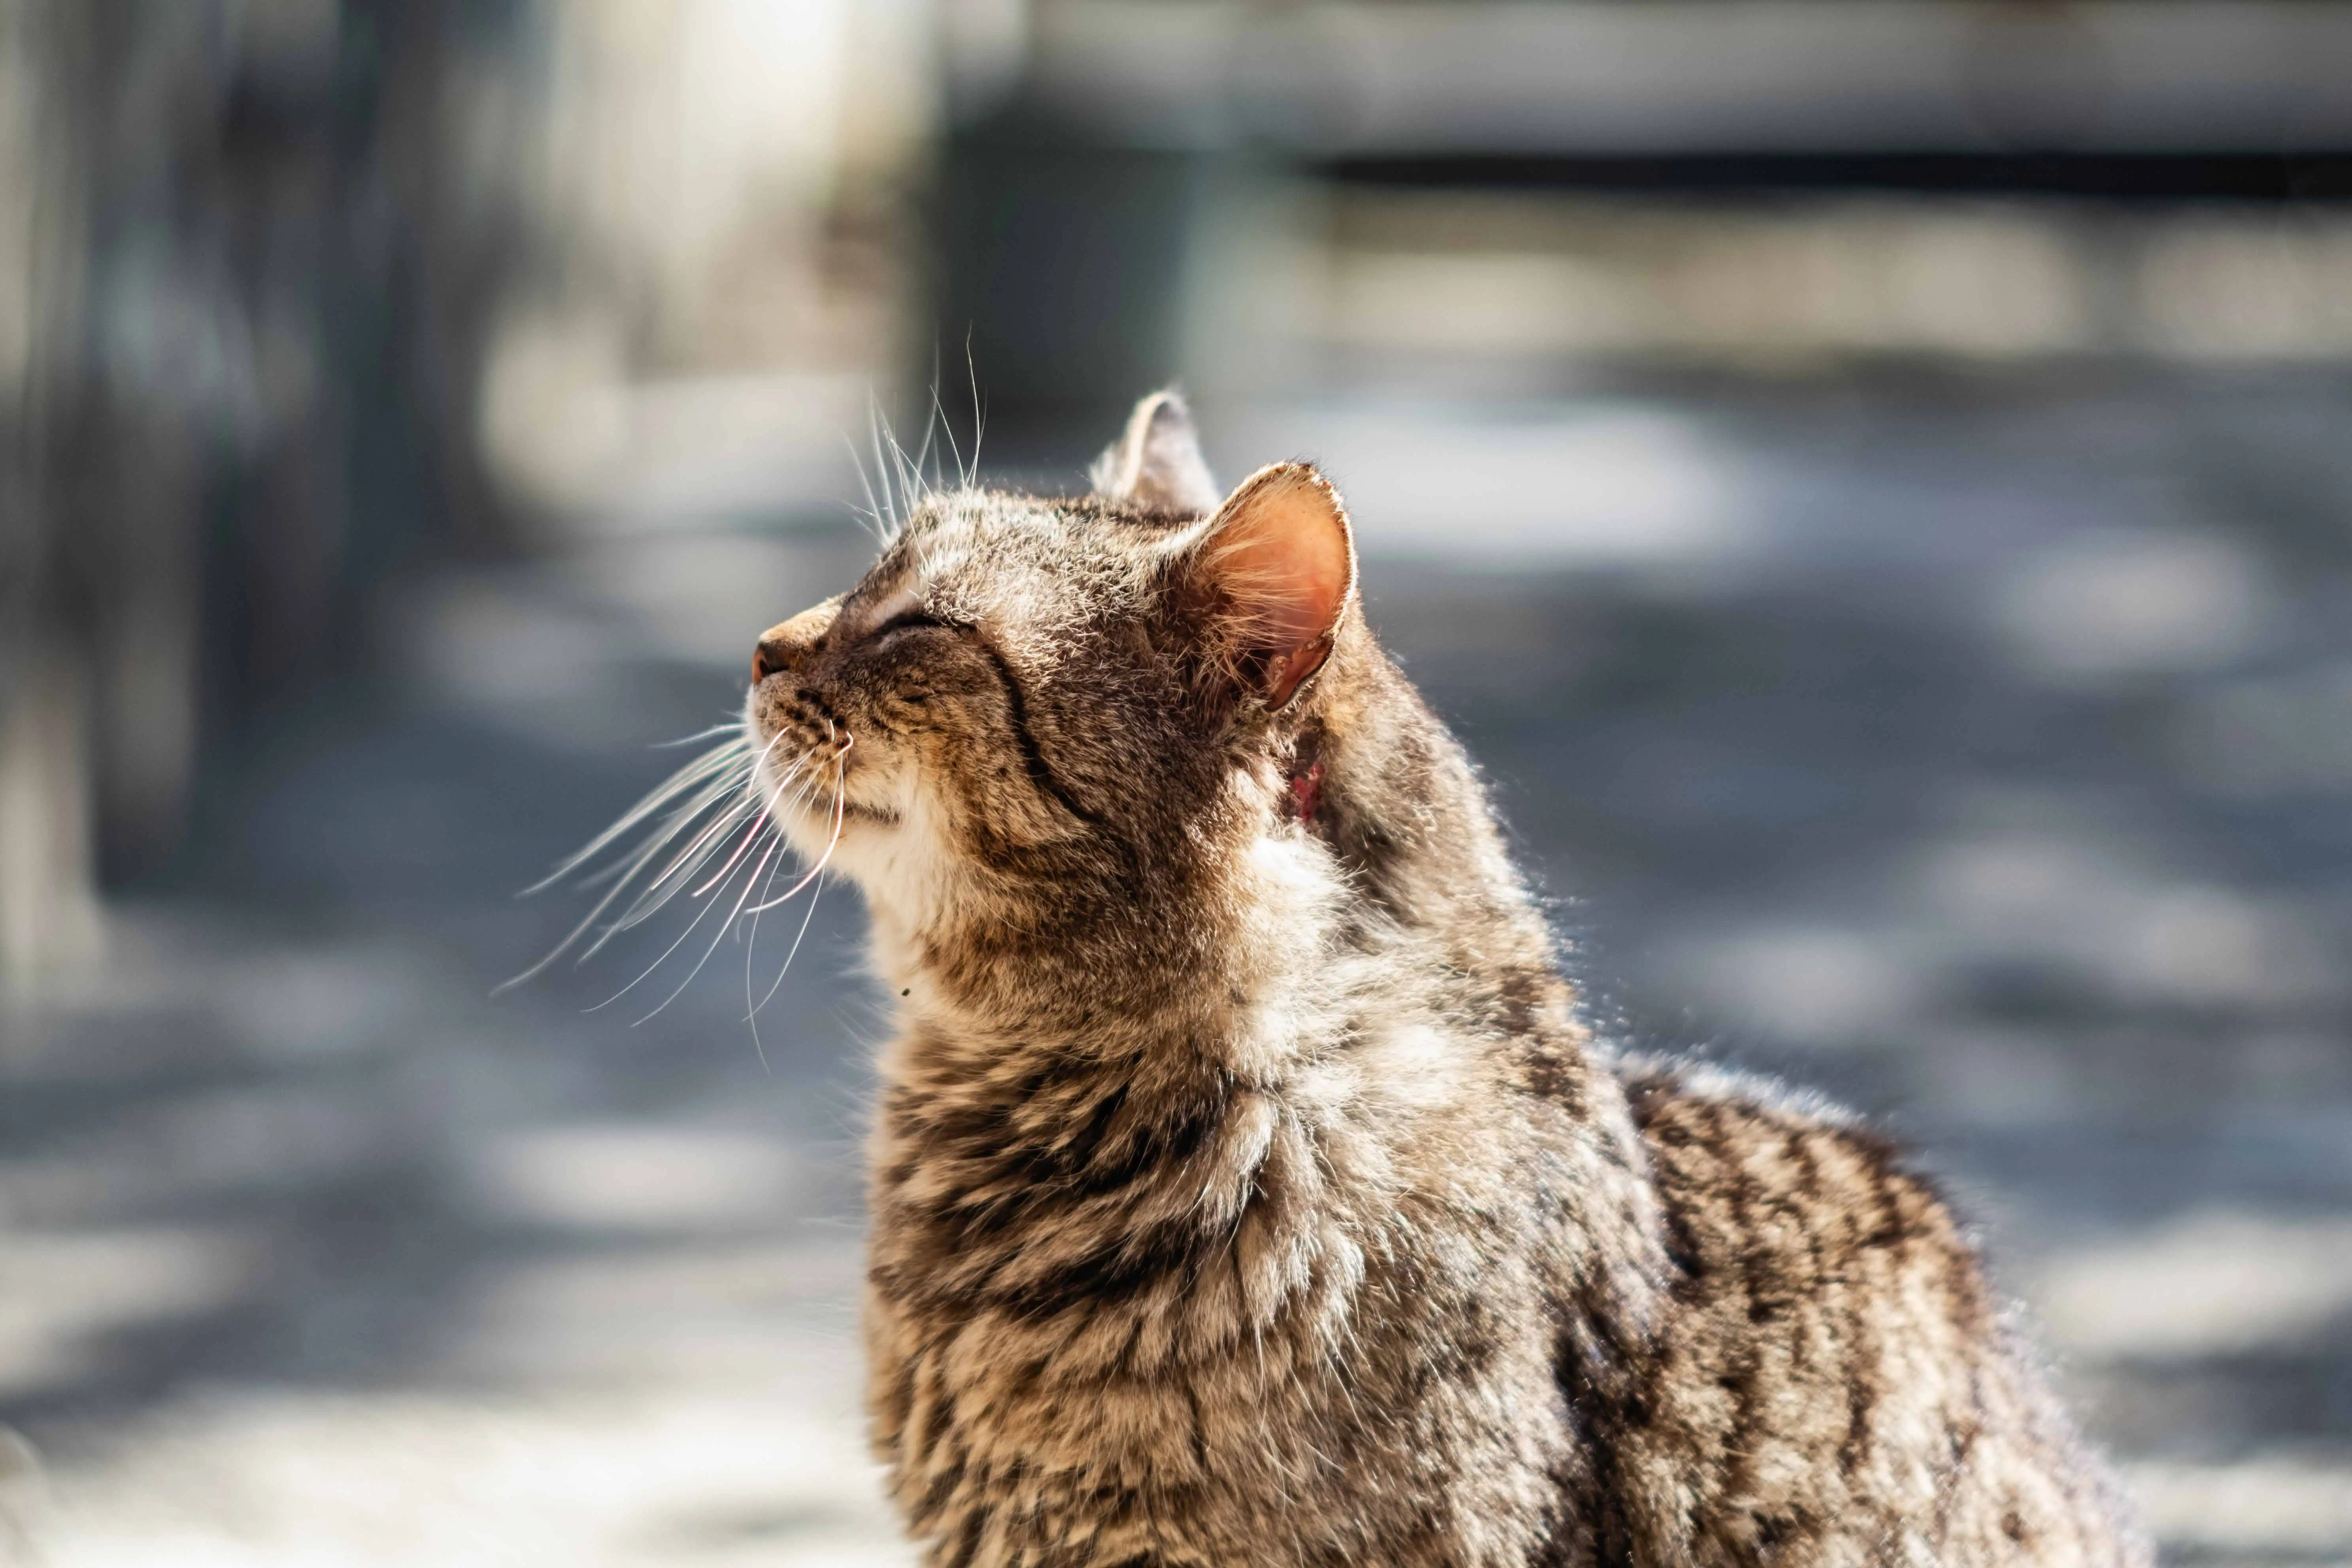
(1835, 1380)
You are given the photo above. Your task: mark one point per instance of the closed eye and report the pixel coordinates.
(904, 621)
(910, 620)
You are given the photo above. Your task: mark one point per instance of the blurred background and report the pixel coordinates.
(1871, 478)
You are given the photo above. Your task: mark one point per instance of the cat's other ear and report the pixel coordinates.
(1280, 561)
(1155, 465)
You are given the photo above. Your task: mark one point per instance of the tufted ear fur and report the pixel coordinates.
(1155, 465)
(1281, 562)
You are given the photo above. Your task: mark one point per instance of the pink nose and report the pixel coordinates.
(784, 645)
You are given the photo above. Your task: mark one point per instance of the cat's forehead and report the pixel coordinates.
(987, 553)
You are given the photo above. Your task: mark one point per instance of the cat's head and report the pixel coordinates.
(1038, 703)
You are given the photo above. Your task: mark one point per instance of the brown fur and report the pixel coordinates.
(1245, 1186)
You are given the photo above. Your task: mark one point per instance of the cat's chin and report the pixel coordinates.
(858, 843)
(812, 829)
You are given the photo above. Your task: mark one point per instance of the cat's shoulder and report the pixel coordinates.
(1674, 1093)
(1730, 1148)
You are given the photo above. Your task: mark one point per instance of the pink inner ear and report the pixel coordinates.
(1283, 557)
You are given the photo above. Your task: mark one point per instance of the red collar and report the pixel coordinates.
(1307, 790)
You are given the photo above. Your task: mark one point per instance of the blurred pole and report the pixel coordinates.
(1061, 264)
(256, 249)
(1083, 254)
(47, 908)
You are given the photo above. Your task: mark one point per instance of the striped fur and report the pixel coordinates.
(1245, 1186)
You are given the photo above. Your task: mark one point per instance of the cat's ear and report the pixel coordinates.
(1156, 465)
(1280, 561)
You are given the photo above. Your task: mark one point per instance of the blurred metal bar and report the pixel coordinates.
(1688, 77)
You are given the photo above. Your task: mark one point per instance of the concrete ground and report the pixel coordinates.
(1982, 752)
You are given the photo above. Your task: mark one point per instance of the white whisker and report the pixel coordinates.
(807, 915)
(873, 512)
(680, 942)
(766, 811)
(940, 421)
(840, 813)
(732, 727)
(685, 865)
(748, 882)
(715, 760)
(707, 781)
(690, 861)
(717, 807)
(979, 418)
(751, 950)
(923, 452)
(627, 873)
(719, 793)
(758, 821)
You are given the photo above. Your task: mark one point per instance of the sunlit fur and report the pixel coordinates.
(1246, 1188)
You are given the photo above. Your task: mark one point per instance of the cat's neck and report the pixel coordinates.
(1354, 874)
(1240, 982)
(1260, 989)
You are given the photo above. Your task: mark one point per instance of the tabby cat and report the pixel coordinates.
(1246, 1187)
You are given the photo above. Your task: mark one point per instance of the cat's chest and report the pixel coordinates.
(1000, 1395)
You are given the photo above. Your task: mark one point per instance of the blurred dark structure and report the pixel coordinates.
(1063, 254)
(1084, 200)
(261, 245)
